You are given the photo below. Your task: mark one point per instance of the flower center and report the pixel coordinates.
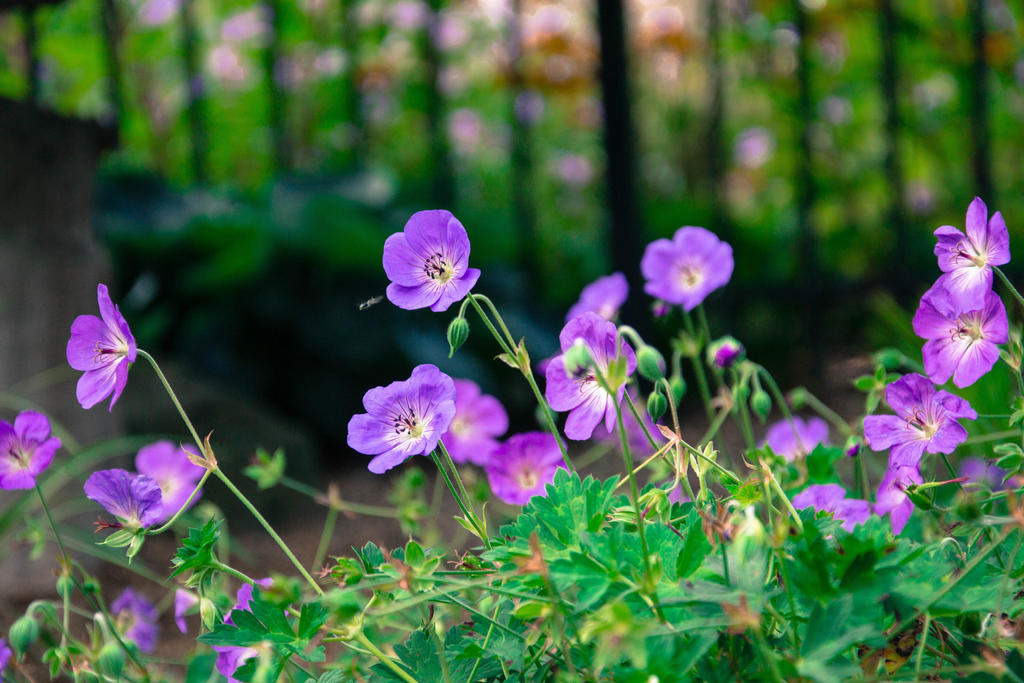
(103, 352)
(409, 425)
(921, 422)
(969, 329)
(438, 268)
(965, 250)
(21, 455)
(458, 426)
(689, 276)
(527, 478)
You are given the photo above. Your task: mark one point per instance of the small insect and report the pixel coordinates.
(372, 301)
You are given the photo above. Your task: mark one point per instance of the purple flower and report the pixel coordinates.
(979, 471)
(832, 498)
(925, 420)
(580, 392)
(404, 418)
(134, 499)
(26, 449)
(183, 601)
(136, 619)
(724, 352)
(5, 653)
(230, 658)
(603, 296)
(103, 348)
(798, 439)
(428, 263)
(685, 269)
(170, 468)
(966, 260)
(478, 423)
(522, 466)
(892, 498)
(962, 344)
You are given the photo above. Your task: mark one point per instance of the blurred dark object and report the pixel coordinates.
(50, 262)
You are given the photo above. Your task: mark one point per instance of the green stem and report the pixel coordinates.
(269, 529)
(698, 369)
(715, 425)
(325, 536)
(780, 400)
(1009, 285)
(384, 659)
(65, 562)
(993, 436)
(920, 649)
(818, 406)
(725, 563)
(785, 500)
(640, 420)
(172, 520)
(231, 571)
(674, 411)
(447, 459)
(341, 506)
(524, 368)
(174, 400)
(470, 517)
(741, 410)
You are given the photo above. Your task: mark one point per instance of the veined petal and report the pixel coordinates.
(884, 431)
(388, 459)
(580, 424)
(561, 391)
(402, 265)
(942, 356)
(32, 426)
(908, 453)
(455, 289)
(977, 223)
(978, 358)
(96, 385)
(997, 244)
(368, 434)
(86, 332)
(995, 327)
(425, 230)
(120, 381)
(947, 437)
(947, 241)
(412, 298)
(968, 286)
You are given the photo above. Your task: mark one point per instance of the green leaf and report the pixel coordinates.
(312, 616)
(268, 469)
(1017, 411)
(695, 548)
(821, 464)
(196, 551)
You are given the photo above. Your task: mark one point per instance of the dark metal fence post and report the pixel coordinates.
(353, 107)
(275, 93)
(716, 109)
(626, 228)
(979, 91)
(522, 176)
(807, 243)
(443, 182)
(31, 53)
(888, 31)
(196, 91)
(110, 19)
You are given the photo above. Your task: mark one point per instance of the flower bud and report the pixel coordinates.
(458, 333)
(23, 633)
(660, 309)
(678, 386)
(65, 586)
(111, 660)
(852, 447)
(577, 358)
(650, 363)
(724, 352)
(656, 405)
(761, 404)
(208, 613)
(966, 506)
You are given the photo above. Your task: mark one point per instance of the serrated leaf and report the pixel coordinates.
(196, 551)
(312, 615)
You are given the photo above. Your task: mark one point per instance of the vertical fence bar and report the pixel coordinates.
(716, 115)
(626, 226)
(31, 54)
(981, 158)
(522, 159)
(443, 181)
(110, 20)
(196, 91)
(276, 105)
(807, 243)
(352, 104)
(888, 23)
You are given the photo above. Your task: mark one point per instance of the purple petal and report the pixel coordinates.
(908, 453)
(96, 385)
(997, 244)
(883, 431)
(132, 498)
(580, 424)
(32, 426)
(561, 391)
(947, 437)
(120, 381)
(947, 248)
(977, 223)
(455, 289)
(183, 600)
(402, 265)
(412, 298)
(978, 358)
(368, 435)
(603, 296)
(967, 286)
(86, 331)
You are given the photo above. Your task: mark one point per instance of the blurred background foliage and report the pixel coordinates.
(266, 149)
